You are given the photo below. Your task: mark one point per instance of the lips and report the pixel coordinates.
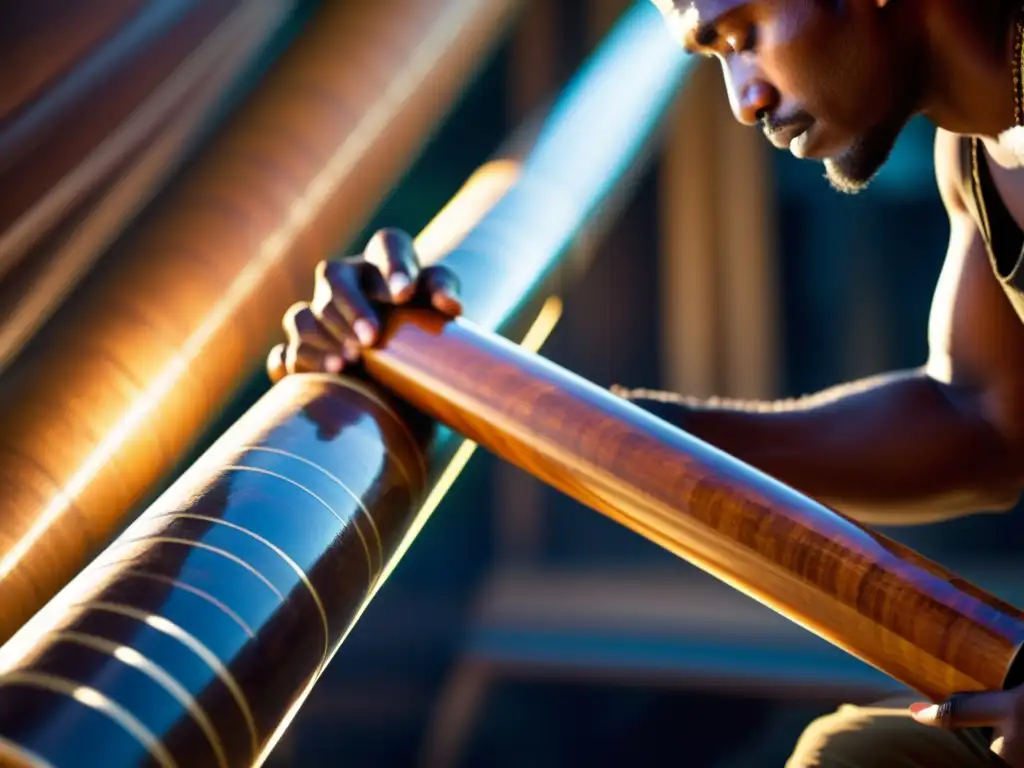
(782, 136)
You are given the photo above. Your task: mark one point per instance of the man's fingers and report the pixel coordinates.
(331, 331)
(285, 360)
(302, 326)
(301, 358)
(442, 287)
(276, 363)
(393, 253)
(341, 306)
(966, 710)
(341, 320)
(1010, 749)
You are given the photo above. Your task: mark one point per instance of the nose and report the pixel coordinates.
(750, 95)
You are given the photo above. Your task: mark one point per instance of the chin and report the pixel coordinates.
(842, 180)
(852, 170)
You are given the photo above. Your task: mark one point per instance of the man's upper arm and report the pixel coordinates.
(976, 339)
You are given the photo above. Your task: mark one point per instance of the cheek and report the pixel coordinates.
(854, 91)
(829, 64)
(833, 81)
(811, 57)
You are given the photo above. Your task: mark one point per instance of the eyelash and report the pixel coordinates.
(710, 43)
(752, 39)
(749, 41)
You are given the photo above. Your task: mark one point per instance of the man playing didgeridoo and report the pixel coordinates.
(836, 81)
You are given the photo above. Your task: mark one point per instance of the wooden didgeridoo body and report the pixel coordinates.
(192, 640)
(100, 103)
(90, 88)
(183, 311)
(867, 594)
(195, 636)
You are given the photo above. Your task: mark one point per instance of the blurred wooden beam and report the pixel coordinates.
(86, 152)
(719, 288)
(130, 372)
(537, 68)
(688, 274)
(750, 291)
(535, 64)
(601, 16)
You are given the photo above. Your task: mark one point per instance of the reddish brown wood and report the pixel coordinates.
(858, 589)
(43, 40)
(317, 490)
(86, 87)
(123, 162)
(261, 555)
(16, 759)
(132, 369)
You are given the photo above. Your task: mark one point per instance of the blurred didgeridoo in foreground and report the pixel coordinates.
(867, 594)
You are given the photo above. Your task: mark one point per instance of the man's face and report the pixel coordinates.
(829, 79)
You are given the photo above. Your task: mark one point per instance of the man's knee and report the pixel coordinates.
(882, 737)
(838, 740)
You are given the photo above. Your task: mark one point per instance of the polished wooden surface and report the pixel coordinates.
(91, 145)
(188, 640)
(128, 373)
(244, 537)
(88, 87)
(44, 40)
(856, 588)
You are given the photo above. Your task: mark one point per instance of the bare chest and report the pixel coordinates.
(1009, 184)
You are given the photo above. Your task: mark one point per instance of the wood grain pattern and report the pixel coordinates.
(129, 167)
(85, 93)
(240, 581)
(213, 614)
(867, 594)
(183, 311)
(43, 40)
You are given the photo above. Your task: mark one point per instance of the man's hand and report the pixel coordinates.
(329, 333)
(1002, 710)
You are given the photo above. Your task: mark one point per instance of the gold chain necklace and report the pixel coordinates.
(1018, 63)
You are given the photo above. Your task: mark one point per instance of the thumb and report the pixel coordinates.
(966, 710)
(1010, 749)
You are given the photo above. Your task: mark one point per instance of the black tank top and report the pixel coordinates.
(1003, 238)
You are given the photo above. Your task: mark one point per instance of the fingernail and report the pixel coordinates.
(444, 302)
(924, 712)
(333, 364)
(364, 331)
(399, 283)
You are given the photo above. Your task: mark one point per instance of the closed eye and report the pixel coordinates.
(746, 42)
(750, 43)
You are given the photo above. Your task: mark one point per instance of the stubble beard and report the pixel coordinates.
(843, 182)
(855, 168)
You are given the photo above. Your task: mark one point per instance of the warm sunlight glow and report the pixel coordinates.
(441, 36)
(680, 22)
(532, 342)
(272, 250)
(464, 211)
(535, 337)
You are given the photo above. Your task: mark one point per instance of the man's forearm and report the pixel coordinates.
(898, 448)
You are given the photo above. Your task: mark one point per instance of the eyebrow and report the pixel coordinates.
(700, 39)
(693, 37)
(706, 34)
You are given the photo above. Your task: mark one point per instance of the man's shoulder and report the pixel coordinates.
(947, 141)
(949, 169)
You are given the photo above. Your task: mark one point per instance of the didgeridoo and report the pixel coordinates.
(865, 593)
